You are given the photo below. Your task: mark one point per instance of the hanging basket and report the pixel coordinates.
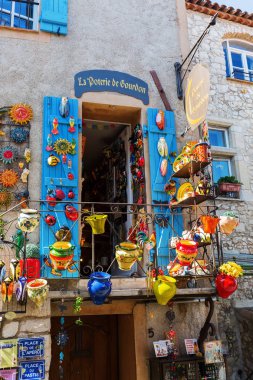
(228, 224)
(97, 223)
(209, 223)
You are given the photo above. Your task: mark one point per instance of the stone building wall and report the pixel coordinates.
(230, 104)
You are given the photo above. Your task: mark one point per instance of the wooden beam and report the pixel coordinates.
(160, 90)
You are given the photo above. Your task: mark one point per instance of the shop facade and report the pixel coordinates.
(100, 59)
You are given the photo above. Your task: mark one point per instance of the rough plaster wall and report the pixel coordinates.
(230, 102)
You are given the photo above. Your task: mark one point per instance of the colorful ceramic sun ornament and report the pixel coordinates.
(5, 197)
(8, 178)
(21, 113)
(8, 154)
(19, 135)
(62, 146)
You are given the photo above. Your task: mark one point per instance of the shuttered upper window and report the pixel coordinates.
(239, 60)
(19, 14)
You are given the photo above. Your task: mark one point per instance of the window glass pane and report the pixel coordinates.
(240, 45)
(236, 59)
(250, 62)
(5, 4)
(220, 169)
(22, 23)
(24, 9)
(217, 137)
(5, 19)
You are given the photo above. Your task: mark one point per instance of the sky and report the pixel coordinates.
(244, 5)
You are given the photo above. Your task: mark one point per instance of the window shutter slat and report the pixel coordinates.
(54, 16)
(228, 74)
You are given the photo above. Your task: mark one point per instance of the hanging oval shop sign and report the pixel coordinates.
(197, 95)
(113, 81)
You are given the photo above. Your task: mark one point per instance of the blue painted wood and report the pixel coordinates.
(55, 177)
(163, 234)
(226, 61)
(54, 16)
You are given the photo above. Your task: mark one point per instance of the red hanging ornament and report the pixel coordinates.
(71, 212)
(50, 220)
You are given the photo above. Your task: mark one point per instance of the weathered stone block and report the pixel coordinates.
(10, 329)
(35, 325)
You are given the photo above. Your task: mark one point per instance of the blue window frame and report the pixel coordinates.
(221, 168)
(239, 60)
(19, 15)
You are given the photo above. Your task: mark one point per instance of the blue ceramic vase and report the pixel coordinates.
(99, 287)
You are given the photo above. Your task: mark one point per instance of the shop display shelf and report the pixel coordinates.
(192, 201)
(190, 169)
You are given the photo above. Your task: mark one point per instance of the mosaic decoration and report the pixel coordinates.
(19, 135)
(62, 146)
(21, 113)
(8, 154)
(8, 178)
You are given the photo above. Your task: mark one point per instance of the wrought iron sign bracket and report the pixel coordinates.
(178, 66)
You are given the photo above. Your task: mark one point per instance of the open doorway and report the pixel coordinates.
(107, 180)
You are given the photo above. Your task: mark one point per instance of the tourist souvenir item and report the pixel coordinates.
(19, 135)
(127, 254)
(69, 164)
(21, 291)
(61, 257)
(63, 234)
(15, 269)
(21, 113)
(49, 146)
(64, 158)
(8, 154)
(8, 178)
(28, 220)
(180, 161)
(164, 289)
(186, 251)
(209, 223)
(71, 194)
(164, 167)
(55, 131)
(228, 222)
(72, 147)
(170, 188)
(27, 155)
(97, 223)
(160, 120)
(59, 194)
(99, 287)
(62, 146)
(71, 212)
(51, 200)
(162, 147)
(53, 160)
(37, 291)
(7, 288)
(24, 175)
(71, 125)
(5, 197)
(2, 270)
(200, 152)
(71, 176)
(226, 281)
(30, 267)
(50, 220)
(186, 190)
(64, 107)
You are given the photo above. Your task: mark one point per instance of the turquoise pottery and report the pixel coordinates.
(99, 287)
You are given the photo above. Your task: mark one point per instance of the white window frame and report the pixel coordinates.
(225, 130)
(244, 54)
(12, 13)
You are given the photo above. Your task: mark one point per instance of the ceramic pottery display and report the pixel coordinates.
(97, 223)
(8, 178)
(225, 285)
(28, 220)
(19, 135)
(71, 212)
(160, 120)
(164, 289)
(21, 291)
(37, 291)
(31, 269)
(99, 287)
(200, 152)
(61, 256)
(162, 147)
(21, 113)
(127, 254)
(7, 288)
(8, 154)
(164, 167)
(186, 251)
(209, 223)
(228, 224)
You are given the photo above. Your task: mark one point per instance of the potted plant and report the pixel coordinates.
(229, 184)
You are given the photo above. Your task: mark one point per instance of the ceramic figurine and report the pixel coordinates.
(64, 158)
(64, 107)
(21, 113)
(51, 200)
(73, 147)
(63, 234)
(53, 160)
(21, 292)
(27, 155)
(72, 124)
(28, 220)
(162, 147)
(7, 289)
(2, 270)
(160, 121)
(24, 175)
(19, 135)
(55, 131)
(15, 269)
(59, 194)
(50, 220)
(8, 154)
(164, 289)
(21, 165)
(37, 291)
(71, 212)
(127, 254)
(71, 176)
(170, 188)
(49, 146)
(19, 240)
(62, 146)
(71, 194)
(69, 164)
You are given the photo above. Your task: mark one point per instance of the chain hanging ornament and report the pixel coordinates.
(62, 339)
(8, 178)
(171, 335)
(19, 135)
(21, 113)
(8, 154)
(62, 146)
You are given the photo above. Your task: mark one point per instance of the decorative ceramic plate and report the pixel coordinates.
(180, 162)
(21, 113)
(184, 190)
(8, 178)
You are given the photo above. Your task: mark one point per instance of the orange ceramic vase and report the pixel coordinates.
(209, 223)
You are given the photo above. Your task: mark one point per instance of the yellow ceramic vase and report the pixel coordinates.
(164, 289)
(97, 223)
(127, 254)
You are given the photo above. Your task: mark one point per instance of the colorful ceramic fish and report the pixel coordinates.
(160, 122)
(162, 147)
(7, 289)
(64, 107)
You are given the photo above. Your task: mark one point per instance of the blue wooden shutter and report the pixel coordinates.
(226, 61)
(163, 234)
(56, 177)
(54, 16)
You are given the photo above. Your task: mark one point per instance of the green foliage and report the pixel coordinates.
(229, 179)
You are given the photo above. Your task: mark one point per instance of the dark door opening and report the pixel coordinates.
(100, 349)
(106, 180)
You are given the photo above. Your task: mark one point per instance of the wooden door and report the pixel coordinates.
(91, 352)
